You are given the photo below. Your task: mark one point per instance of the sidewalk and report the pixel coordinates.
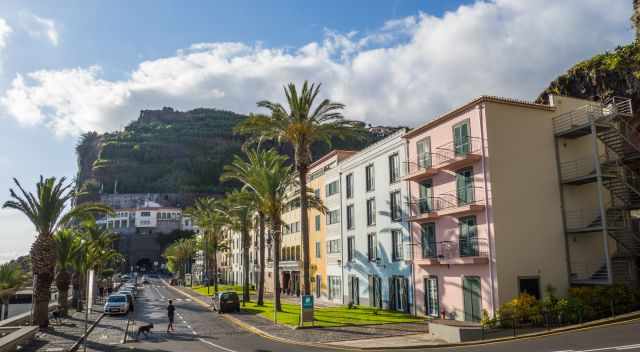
(64, 335)
(319, 335)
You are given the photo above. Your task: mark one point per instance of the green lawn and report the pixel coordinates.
(331, 316)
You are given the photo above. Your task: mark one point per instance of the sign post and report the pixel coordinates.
(187, 280)
(306, 310)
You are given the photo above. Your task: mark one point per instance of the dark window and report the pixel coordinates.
(369, 175)
(428, 240)
(468, 236)
(371, 212)
(351, 248)
(349, 185)
(317, 249)
(350, 215)
(398, 245)
(530, 285)
(395, 206)
(372, 247)
(317, 222)
(394, 168)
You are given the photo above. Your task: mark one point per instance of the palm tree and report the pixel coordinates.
(238, 208)
(12, 279)
(95, 252)
(270, 179)
(211, 223)
(301, 127)
(68, 246)
(46, 210)
(180, 254)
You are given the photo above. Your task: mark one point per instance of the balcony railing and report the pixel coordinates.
(592, 112)
(457, 151)
(448, 203)
(580, 168)
(585, 220)
(455, 249)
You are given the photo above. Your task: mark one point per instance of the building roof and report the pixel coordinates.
(481, 99)
(340, 153)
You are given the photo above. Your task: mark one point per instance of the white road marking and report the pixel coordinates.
(612, 348)
(216, 346)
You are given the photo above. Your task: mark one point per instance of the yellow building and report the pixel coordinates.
(321, 171)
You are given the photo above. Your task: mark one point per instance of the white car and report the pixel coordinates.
(117, 304)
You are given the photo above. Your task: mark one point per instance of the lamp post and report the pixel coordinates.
(269, 246)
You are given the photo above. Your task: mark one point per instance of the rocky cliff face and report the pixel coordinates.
(169, 151)
(615, 73)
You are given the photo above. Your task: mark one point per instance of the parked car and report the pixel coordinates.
(117, 304)
(227, 301)
(128, 294)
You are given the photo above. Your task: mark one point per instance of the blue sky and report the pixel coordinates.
(67, 67)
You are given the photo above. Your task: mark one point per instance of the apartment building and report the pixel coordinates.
(486, 207)
(375, 236)
(325, 233)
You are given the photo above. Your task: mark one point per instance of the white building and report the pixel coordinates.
(375, 237)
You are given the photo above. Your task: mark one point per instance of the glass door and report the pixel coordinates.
(426, 196)
(461, 140)
(468, 238)
(428, 240)
(431, 299)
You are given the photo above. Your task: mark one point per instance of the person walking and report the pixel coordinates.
(171, 311)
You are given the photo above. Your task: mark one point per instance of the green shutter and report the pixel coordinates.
(461, 141)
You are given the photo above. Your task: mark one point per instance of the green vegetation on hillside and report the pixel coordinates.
(615, 73)
(168, 151)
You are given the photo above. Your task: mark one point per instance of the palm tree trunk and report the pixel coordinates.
(245, 263)
(62, 283)
(276, 264)
(43, 259)
(304, 222)
(262, 262)
(215, 272)
(75, 281)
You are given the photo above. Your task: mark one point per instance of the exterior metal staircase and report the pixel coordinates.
(622, 145)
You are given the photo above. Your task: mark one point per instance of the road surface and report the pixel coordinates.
(200, 330)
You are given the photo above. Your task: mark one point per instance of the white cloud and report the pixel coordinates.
(40, 27)
(5, 30)
(407, 72)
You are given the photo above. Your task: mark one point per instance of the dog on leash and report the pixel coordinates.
(57, 316)
(145, 329)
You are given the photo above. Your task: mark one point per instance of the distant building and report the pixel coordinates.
(140, 224)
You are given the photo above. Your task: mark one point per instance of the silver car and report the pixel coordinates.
(117, 304)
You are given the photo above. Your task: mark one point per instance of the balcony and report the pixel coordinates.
(421, 170)
(464, 251)
(446, 204)
(590, 220)
(583, 171)
(577, 123)
(455, 155)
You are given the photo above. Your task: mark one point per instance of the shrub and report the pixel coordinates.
(488, 321)
(524, 308)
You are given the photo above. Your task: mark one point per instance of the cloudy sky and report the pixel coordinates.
(67, 67)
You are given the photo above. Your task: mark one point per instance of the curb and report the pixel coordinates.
(76, 345)
(623, 318)
(257, 331)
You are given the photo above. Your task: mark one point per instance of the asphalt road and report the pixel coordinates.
(201, 330)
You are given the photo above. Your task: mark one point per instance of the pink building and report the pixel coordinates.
(485, 209)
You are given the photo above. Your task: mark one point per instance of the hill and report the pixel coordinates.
(169, 151)
(615, 73)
